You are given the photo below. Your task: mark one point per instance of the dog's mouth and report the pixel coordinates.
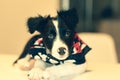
(60, 57)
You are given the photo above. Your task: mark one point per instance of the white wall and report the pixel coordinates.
(13, 16)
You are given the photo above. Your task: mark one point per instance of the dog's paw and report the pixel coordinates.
(35, 74)
(49, 74)
(45, 76)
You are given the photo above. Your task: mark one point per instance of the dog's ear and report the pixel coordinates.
(70, 17)
(37, 23)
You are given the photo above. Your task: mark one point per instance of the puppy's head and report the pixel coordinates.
(57, 34)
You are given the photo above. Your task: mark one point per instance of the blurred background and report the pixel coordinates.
(95, 16)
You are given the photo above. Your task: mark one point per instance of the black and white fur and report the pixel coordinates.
(58, 35)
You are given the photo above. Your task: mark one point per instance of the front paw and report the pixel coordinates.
(35, 74)
(46, 76)
(49, 75)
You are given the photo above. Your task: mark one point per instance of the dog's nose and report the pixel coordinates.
(61, 50)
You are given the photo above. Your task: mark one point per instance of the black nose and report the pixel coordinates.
(61, 50)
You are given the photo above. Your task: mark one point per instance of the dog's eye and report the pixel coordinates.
(50, 36)
(68, 33)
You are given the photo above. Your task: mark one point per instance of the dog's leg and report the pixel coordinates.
(37, 71)
(64, 70)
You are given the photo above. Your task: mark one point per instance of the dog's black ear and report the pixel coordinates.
(70, 17)
(37, 23)
(33, 23)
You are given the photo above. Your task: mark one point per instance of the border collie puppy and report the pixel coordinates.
(57, 51)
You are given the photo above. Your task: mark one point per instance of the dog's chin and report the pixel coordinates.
(60, 57)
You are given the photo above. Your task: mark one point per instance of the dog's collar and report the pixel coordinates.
(77, 56)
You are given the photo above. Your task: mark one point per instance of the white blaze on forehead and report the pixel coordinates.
(55, 22)
(57, 43)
